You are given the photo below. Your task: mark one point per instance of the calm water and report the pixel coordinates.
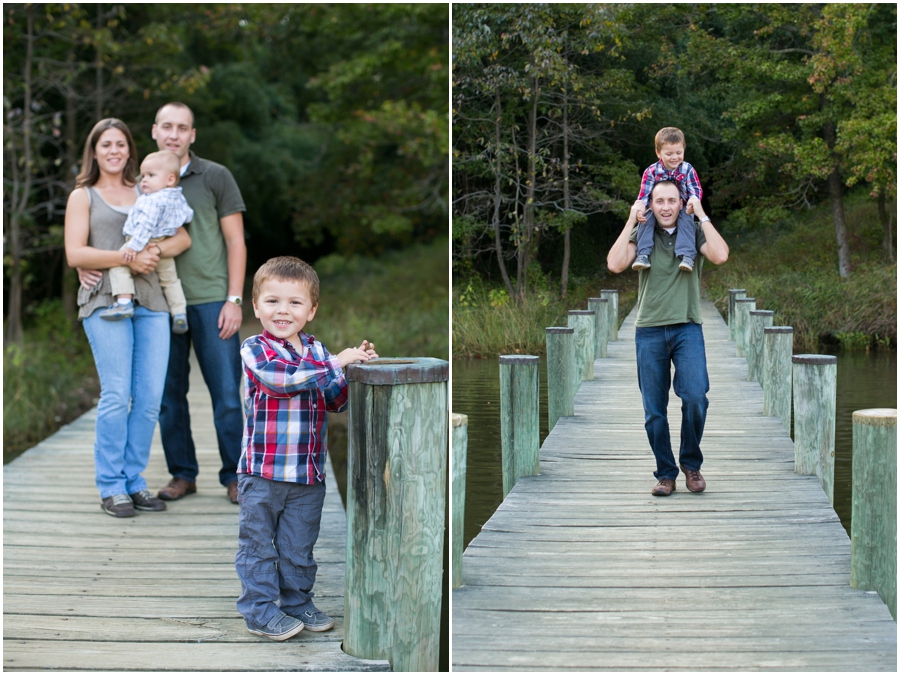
(863, 381)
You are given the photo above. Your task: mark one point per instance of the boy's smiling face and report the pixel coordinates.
(284, 307)
(671, 155)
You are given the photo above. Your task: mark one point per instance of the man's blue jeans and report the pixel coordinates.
(657, 348)
(220, 363)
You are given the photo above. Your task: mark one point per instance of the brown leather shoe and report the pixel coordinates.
(232, 491)
(664, 488)
(694, 480)
(176, 489)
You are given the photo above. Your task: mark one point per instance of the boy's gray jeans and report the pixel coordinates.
(279, 525)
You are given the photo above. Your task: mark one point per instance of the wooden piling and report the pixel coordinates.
(733, 294)
(600, 307)
(742, 307)
(613, 296)
(583, 322)
(815, 398)
(396, 483)
(459, 457)
(560, 373)
(778, 344)
(519, 418)
(760, 319)
(873, 529)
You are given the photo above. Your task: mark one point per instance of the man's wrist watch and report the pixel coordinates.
(236, 299)
(704, 219)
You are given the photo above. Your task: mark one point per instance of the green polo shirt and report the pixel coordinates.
(212, 193)
(666, 295)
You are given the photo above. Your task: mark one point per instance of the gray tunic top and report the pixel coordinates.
(106, 234)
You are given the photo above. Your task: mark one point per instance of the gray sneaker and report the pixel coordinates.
(144, 501)
(687, 265)
(641, 263)
(119, 506)
(280, 628)
(118, 311)
(316, 620)
(179, 324)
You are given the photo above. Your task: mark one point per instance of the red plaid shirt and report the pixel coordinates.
(685, 178)
(286, 396)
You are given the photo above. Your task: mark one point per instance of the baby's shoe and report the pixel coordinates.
(118, 311)
(179, 324)
(641, 263)
(687, 264)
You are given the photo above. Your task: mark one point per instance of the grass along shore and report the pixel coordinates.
(790, 268)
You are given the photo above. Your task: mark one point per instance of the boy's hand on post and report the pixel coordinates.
(352, 355)
(369, 348)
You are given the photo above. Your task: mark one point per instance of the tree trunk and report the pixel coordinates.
(887, 222)
(70, 162)
(567, 239)
(528, 215)
(98, 69)
(498, 196)
(836, 192)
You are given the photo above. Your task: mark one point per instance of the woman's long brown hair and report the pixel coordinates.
(90, 170)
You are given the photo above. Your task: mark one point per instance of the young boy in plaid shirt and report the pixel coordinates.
(669, 143)
(292, 381)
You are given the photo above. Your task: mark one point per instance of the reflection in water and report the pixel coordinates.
(863, 381)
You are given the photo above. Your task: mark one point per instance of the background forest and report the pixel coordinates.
(789, 111)
(332, 117)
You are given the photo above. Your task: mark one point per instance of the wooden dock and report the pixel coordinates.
(157, 592)
(581, 568)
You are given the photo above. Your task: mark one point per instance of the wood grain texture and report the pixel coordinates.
(733, 294)
(612, 295)
(85, 591)
(760, 319)
(742, 308)
(580, 568)
(560, 374)
(520, 440)
(600, 307)
(583, 323)
(778, 345)
(815, 414)
(459, 455)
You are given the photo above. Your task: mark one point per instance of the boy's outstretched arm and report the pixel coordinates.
(624, 251)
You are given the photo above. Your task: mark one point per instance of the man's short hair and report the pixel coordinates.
(664, 181)
(168, 160)
(287, 268)
(175, 104)
(671, 135)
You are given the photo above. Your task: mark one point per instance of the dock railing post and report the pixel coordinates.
(459, 453)
(778, 346)
(815, 398)
(742, 307)
(600, 307)
(582, 320)
(560, 374)
(396, 485)
(613, 296)
(760, 319)
(733, 294)
(873, 527)
(520, 443)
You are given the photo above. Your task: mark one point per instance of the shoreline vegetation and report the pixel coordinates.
(790, 267)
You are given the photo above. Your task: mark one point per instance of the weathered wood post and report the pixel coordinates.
(760, 319)
(600, 307)
(582, 320)
(778, 346)
(560, 373)
(459, 456)
(733, 295)
(396, 483)
(612, 295)
(742, 307)
(873, 528)
(815, 399)
(520, 443)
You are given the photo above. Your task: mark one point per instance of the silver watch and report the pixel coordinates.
(704, 219)
(236, 299)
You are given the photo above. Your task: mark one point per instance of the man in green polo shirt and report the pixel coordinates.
(668, 331)
(212, 275)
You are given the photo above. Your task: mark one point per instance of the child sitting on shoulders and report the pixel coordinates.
(671, 165)
(157, 214)
(292, 381)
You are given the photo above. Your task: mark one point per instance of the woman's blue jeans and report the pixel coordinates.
(131, 357)
(659, 347)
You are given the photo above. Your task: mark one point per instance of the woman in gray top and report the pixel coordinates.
(131, 355)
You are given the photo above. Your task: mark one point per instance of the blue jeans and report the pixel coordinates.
(131, 356)
(685, 236)
(279, 523)
(220, 363)
(657, 348)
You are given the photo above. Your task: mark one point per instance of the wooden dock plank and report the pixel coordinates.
(84, 591)
(580, 568)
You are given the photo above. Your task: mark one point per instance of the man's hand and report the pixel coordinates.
(638, 209)
(230, 318)
(128, 255)
(352, 355)
(88, 278)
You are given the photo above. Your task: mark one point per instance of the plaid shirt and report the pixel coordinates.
(156, 214)
(684, 176)
(286, 396)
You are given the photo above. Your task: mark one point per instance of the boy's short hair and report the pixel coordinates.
(287, 268)
(168, 160)
(671, 135)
